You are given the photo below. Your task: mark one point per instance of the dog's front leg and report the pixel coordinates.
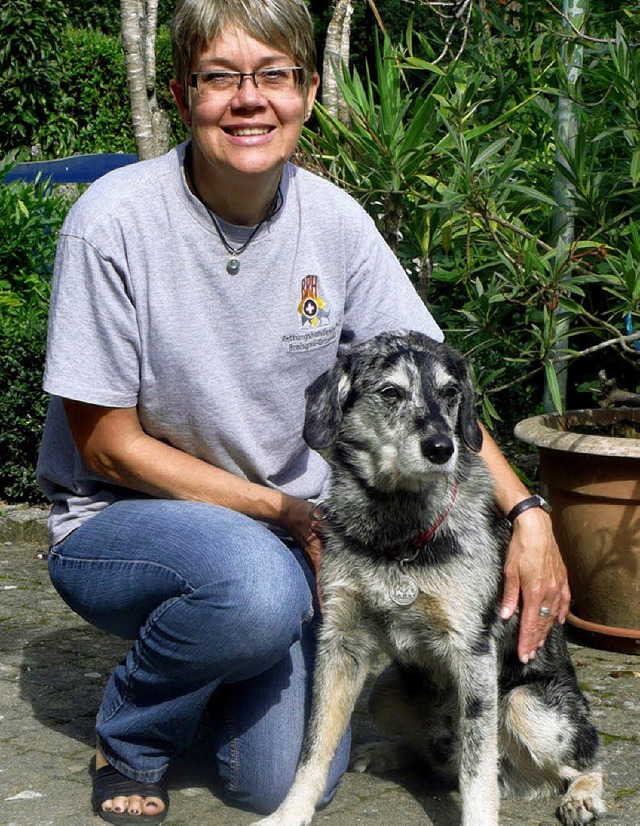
(478, 701)
(340, 675)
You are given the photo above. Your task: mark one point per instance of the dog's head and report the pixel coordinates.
(393, 411)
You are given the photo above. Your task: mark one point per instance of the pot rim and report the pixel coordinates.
(539, 431)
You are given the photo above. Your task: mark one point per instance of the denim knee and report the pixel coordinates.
(268, 789)
(249, 621)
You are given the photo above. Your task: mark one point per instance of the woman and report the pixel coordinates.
(195, 297)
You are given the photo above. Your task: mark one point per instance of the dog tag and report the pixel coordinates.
(404, 591)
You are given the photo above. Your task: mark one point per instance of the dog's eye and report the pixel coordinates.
(451, 392)
(390, 393)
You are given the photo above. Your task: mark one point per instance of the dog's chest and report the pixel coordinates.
(408, 611)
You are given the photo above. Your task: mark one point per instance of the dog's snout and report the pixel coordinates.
(437, 449)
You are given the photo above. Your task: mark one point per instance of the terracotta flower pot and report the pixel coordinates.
(593, 485)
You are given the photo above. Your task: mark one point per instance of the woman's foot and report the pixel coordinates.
(124, 803)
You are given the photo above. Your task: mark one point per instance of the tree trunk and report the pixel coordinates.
(575, 12)
(336, 54)
(150, 123)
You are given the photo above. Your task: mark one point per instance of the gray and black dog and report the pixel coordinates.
(413, 560)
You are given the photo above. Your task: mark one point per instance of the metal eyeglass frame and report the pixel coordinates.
(298, 71)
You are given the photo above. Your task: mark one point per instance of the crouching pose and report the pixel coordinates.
(195, 296)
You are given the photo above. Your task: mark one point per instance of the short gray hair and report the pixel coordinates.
(283, 24)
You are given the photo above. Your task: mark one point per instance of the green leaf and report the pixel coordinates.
(535, 194)
(554, 388)
(635, 166)
(490, 152)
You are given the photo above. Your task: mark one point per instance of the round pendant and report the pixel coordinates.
(233, 266)
(404, 591)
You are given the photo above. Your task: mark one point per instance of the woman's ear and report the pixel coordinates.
(181, 96)
(312, 91)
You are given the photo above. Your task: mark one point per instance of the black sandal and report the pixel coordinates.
(109, 783)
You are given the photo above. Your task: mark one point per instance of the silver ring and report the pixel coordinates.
(545, 612)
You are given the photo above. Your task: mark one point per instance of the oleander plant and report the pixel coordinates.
(523, 242)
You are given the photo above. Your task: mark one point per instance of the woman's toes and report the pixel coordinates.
(119, 804)
(153, 806)
(136, 804)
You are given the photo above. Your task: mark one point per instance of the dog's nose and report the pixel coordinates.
(437, 449)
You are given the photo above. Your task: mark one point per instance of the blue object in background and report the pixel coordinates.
(630, 330)
(79, 169)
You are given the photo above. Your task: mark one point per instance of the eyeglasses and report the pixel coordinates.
(275, 81)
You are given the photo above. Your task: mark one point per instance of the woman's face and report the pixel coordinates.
(246, 131)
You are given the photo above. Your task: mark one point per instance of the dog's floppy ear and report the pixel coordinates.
(468, 419)
(468, 426)
(325, 399)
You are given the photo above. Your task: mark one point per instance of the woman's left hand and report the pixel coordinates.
(535, 578)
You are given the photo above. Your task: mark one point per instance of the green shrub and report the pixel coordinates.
(30, 33)
(23, 405)
(68, 95)
(93, 111)
(456, 163)
(30, 217)
(93, 80)
(105, 16)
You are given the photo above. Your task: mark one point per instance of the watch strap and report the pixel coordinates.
(534, 501)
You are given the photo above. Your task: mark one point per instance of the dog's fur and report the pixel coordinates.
(395, 420)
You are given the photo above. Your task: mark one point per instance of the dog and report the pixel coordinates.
(414, 551)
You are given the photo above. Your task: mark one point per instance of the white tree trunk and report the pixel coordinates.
(150, 124)
(336, 54)
(575, 12)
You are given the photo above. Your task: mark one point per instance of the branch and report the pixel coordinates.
(455, 10)
(514, 228)
(620, 340)
(610, 394)
(526, 374)
(570, 356)
(578, 35)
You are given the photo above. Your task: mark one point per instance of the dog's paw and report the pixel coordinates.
(378, 757)
(582, 804)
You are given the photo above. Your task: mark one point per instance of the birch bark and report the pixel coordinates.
(336, 54)
(150, 124)
(574, 13)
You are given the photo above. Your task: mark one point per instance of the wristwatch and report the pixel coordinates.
(534, 501)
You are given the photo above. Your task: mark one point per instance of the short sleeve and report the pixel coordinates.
(93, 343)
(380, 297)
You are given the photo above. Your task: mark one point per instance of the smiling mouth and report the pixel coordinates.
(248, 131)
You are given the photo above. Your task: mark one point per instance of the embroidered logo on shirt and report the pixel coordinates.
(312, 309)
(317, 328)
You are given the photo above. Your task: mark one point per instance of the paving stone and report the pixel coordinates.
(53, 668)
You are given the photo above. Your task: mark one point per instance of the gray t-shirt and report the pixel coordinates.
(144, 313)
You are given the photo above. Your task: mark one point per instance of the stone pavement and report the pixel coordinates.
(53, 667)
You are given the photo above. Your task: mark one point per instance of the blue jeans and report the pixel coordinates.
(223, 616)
